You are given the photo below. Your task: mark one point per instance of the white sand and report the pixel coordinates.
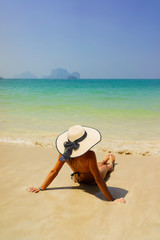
(69, 211)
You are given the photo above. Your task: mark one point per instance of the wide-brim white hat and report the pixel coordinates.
(92, 137)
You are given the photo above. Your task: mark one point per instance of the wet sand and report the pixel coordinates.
(68, 210)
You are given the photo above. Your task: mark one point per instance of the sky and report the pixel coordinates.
(97, 38)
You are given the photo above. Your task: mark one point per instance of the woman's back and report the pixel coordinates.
(80, 166)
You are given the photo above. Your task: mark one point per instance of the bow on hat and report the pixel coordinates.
(70, 146)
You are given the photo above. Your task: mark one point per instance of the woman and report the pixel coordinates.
(74, 148)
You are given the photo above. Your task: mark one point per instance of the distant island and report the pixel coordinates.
(58, 73)
(61, 73)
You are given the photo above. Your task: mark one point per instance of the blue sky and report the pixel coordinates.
(98, 38)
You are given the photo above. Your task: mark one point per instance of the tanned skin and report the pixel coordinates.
(90, 172)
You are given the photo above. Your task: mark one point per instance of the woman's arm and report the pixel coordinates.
(52, 174)
(100, 182)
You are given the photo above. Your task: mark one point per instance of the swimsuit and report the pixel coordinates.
(77, 179)
(72, 175)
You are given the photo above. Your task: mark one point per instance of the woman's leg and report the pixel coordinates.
(105, 167)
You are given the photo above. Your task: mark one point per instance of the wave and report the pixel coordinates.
(144, 148)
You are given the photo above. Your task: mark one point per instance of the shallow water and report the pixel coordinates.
(121, 109)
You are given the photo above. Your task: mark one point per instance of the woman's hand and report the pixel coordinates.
(33, 189)
(119, 200)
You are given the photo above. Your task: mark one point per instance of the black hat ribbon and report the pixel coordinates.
(69, 146)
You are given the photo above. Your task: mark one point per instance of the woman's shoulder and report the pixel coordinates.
(87, 156)
(89, 153)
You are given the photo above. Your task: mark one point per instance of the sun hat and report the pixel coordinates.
(76, 141)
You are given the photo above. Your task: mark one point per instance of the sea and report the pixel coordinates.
(125, 111)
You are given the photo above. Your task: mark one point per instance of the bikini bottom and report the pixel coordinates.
(72, 175)
(89, 182)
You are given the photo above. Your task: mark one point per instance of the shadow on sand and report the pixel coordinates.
(94, 190)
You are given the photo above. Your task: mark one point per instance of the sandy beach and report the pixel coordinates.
(68, 210)
(93, 64)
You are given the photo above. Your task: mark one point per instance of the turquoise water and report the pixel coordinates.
(121, 109)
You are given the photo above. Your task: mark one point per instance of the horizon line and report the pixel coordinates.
(3, 78)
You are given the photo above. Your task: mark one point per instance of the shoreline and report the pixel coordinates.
(120, 147)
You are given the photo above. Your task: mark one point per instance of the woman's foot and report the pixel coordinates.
(111, 162)
(105, 167)
(110, 166)
(111, 158)
(108, 157)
